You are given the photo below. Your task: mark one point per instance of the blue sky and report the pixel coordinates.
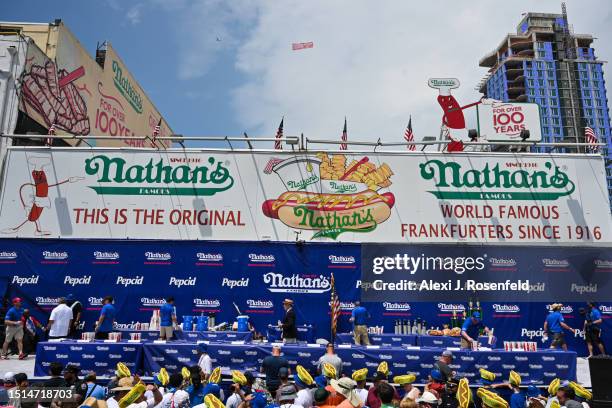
(370, 62)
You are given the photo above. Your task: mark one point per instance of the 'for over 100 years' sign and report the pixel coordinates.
(374, 197)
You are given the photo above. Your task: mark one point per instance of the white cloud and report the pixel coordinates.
(133, 14)
(370, 62)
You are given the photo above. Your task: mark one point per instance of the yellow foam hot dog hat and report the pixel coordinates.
(360, 375)
(329, 370)
(163, 377)
(464, 394)
(383, 367)
(238, 377)
(487, 375)
(186, 373)
(581, 391)
(515, 378)
(404, 379)
(213, 402)
(553, 387)
(555, 404)
(132, 396)
(491, 399)
(304, 375)
(122, 370)
(215, 376)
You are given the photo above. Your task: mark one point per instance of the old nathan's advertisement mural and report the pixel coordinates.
(81, 98)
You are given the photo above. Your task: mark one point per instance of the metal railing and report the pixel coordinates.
(301, 142)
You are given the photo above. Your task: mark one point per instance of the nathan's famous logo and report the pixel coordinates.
(125, 87)
(329, 195)
(296, 283)
(549, 183)
(213, 178)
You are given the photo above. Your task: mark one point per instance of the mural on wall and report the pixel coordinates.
(80, 97)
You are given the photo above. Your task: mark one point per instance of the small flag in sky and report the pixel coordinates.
(51, 132)
(591, 138)
(409, 136)
(279, 135)
(344, 137)
(335, 307)
(302, 46)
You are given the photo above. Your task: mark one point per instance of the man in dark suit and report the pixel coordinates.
(288, 323)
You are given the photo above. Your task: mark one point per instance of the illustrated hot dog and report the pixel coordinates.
(326, 202)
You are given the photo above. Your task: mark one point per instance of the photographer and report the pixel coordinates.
(592, 327)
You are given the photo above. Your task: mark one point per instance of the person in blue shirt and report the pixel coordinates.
(471, 330)
(167, 319)
(14, 329)
(196, 390)
(104, 324)
(592, 328)
(359, 318)
(554, 324)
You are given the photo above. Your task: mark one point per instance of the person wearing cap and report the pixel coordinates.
(237, 396)
(554, 324)
(270, 366)
(77, 310)
(360, 377)
(320, 398)
(436, 382)
(283, 376)
(303, 381)
(592, 329)
(286, 395)
(517, 399)
(330, 357)
(60, 320)
(204, 360)
(348, 389)
(288, 324)
(71, 376)
(167, 319)
(471, 330)
(14, 329)
(427, 400)
(104, 325)
(359, 318)
(443, 365)
(407, 390)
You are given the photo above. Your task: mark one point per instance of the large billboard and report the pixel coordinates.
(80, 97)
(418, 197)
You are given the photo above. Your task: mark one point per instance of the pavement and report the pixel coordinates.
(27, 366)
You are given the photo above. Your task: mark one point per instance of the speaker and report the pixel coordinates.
(601, 377)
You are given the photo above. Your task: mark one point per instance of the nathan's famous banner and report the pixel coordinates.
(282, 196)
(82, 98)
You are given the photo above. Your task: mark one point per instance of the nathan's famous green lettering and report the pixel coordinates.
(331, 220)
(123, 84)
(538, 184)
(115, 170)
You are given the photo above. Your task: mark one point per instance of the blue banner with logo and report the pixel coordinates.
(207, 277)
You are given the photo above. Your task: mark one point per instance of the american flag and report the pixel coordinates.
(156, 132)
(50, 132)
(335, 307)
(409, 136)
(279, 135)
(591, 138)
(271, 163)
(344, 137)
(301, 46)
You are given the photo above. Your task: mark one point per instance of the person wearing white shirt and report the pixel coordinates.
(204, 361)
(60, 320)
(304, 395)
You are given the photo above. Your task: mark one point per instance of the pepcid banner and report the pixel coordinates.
(282, 196)
(208, 277)
(491, 273)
